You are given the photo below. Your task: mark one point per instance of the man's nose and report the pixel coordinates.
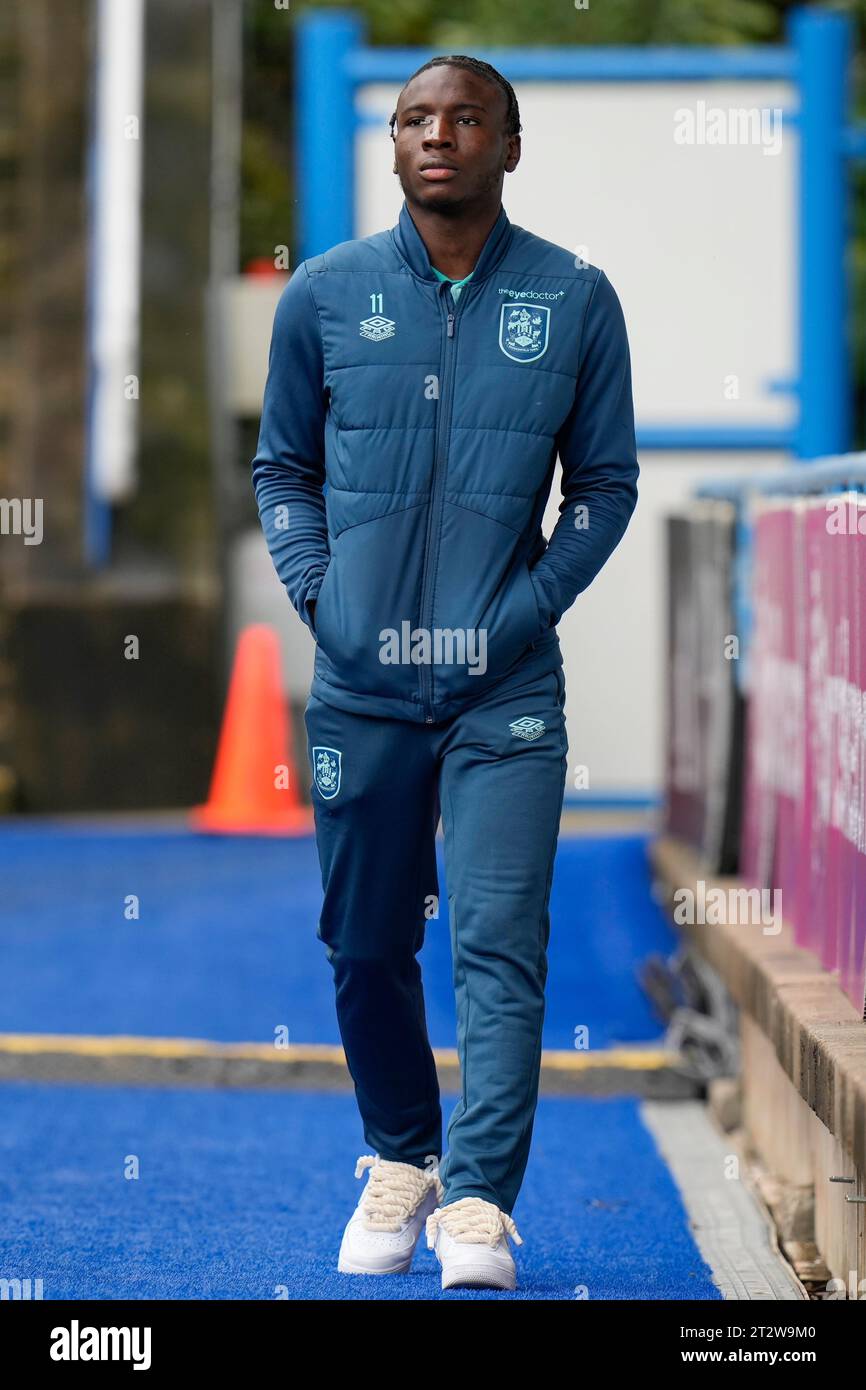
(438, 132)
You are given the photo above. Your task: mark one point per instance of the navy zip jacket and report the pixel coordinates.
(406, 455)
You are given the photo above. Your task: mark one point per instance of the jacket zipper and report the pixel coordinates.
(440, 455)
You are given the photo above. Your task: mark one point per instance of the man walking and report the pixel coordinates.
(431, 375)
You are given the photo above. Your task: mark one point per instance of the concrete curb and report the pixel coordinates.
(646, 1071)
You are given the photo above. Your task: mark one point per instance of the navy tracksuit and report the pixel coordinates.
(405, 457)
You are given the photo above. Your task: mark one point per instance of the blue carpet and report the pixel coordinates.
(242, 1193)
(225, 946)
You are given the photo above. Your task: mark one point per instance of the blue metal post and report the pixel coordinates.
(325, 148)
(822, 39)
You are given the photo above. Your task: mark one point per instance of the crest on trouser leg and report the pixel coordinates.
(327, 766)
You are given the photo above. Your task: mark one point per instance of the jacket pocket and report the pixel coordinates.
(517, 623)
(318, 610)
(369, 591)
(484, 591)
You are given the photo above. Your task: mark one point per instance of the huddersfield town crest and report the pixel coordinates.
(523, 331)
(527, 728)
(326, 770)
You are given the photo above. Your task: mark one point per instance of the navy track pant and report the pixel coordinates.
(497, 771)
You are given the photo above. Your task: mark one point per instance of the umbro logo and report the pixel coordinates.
(377, 328)
(527, 728)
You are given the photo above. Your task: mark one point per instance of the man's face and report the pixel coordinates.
(450, 145)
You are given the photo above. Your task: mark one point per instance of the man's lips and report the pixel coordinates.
(437, 172)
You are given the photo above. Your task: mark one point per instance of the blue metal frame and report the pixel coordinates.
(333, 63)
(823, 45)
(581, 64)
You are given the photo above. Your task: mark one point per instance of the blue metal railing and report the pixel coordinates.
(835, 474)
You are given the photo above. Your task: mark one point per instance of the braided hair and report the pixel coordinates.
(482, 69)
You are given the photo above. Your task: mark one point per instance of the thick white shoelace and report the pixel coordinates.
(394, 1191)
(472, 1220)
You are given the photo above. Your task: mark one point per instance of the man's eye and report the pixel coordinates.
(413, 120)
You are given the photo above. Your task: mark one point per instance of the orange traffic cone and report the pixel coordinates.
(254, 788)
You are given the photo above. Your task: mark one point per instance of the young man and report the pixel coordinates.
(431, 375)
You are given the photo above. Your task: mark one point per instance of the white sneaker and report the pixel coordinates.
(470, 1238)
(383, 1232)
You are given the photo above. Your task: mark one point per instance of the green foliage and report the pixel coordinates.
(451, 25)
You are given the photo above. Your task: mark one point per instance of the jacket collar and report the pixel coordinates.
(410, 246)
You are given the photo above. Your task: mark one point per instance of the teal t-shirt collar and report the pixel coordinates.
(456, 285)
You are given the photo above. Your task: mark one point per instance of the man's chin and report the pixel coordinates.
(436, 197)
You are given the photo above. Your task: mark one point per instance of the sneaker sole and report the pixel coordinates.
(479, 1279)
(348, 1267)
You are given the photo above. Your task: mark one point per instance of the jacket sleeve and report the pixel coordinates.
(596, 445)
(288, 471)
